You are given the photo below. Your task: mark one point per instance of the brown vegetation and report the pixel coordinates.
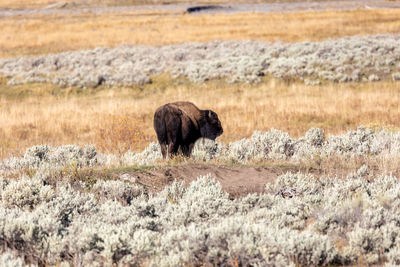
(44, 3)
(119, 119)
(40, 34)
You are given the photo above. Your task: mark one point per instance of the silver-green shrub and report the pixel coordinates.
(9, 259)
(25, 193)
(297, 220)
(356, 58)
(273, 145)
(149, 156)
(394, 256)
(43, 157)
(118, 190)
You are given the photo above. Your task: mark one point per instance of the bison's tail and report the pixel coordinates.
(160, 127)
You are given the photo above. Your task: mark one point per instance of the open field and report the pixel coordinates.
(42, 34)
(107, 97)
(294, 180)
(89, 3)
(36, 114)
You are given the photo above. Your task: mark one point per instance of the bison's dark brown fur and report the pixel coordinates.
(178, 125)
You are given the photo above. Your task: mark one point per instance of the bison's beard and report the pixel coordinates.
(210, 132)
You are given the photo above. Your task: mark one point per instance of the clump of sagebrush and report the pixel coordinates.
(45, 157)
(206, 149)
(118, 190)
(25, 192)
(376, 146)
(8, 258)
(149, 156)
(357, 58)
(276, 145)
(296, 220)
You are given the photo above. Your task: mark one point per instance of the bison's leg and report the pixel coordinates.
(173, 124)
(164, 150)
(187, 149)
(191, 148)
(161, 131)
(172, 149)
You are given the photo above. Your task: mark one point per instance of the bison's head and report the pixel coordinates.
(211, 127)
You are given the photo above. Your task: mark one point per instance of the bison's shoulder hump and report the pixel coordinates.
(189, 109)
(169, 108)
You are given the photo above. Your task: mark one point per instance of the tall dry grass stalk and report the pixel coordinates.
(118, 119)
(38, 34)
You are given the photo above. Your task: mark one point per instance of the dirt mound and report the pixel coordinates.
(238, 181)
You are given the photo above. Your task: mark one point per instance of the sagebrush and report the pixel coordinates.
(357, 58)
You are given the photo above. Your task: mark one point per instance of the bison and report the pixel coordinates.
(178, 125)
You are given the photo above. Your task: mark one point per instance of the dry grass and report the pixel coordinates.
(44, 3)
(89, 3)
(38, 34)
(121, 118)
(73, 3)
(117, 119)
(121, 133)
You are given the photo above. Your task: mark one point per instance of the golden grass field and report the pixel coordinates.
(44, 3)
(120, 118)
(41, 34)
(117, 119)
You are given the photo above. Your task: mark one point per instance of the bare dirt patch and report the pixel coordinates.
(238, 181)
